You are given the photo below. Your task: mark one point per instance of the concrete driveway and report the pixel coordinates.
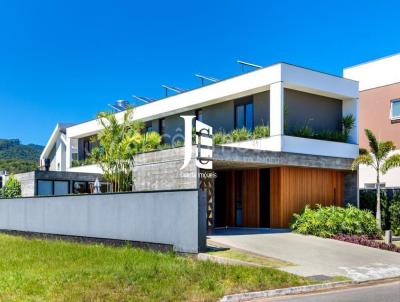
(313, 256)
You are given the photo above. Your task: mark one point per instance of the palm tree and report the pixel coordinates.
(378, 157)
(116, 145)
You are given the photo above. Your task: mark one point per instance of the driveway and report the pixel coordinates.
(313, 256)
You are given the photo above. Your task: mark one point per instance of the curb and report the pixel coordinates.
(298, 290)
(284, 291)
(228, 261)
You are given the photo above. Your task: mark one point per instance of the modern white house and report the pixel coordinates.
(379, 110)
(261, 182)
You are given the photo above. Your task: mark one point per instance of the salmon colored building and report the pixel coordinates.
(379, 109)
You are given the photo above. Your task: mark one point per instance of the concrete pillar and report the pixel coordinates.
(351, 191)
(350, 106)
(276, 111)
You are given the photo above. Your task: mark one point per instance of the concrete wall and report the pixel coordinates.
(29, 180)
(171, 218)
(351, 192)
(160, 170)
(322, 113)
(28, 183)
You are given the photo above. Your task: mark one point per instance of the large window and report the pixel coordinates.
(395, 110)
(61, 187)
(244, 116)
(52, 187)
(45, 188)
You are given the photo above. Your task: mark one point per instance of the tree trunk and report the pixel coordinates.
(378, 202)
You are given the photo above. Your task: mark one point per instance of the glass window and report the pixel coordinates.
(249, 116)
(395, 110)
(80, 187)
(61, 187)
(244, 116)
(162, 126)
(239, 116)
(45, 188)
(149, 126)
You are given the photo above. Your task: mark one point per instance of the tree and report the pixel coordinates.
(380, 158)
(119, 141)
(12, 187)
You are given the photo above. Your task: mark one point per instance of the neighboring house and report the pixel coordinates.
(260, 183)
(379, 110)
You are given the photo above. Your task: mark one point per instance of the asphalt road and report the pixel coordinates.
(386, 292)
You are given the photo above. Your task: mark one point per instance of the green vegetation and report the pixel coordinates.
(379, 158)
(18, 166)
(117, 143)
(330, 221)
(13, 149)
(394, 211)
(347, 124)
(12, 188)
(239, 135)
(368, 202)
(17, 158)
(37, 270)
(249, 257)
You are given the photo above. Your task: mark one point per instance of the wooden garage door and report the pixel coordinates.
(293, 188)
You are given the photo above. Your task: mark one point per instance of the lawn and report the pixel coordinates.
(39, 270)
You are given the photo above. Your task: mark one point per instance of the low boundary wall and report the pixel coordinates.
(176, 218)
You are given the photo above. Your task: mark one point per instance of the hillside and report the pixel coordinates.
(16, 157)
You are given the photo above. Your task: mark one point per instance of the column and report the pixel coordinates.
(276, 109)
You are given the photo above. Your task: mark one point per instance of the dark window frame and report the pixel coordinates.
(52, 185)
(244, 104)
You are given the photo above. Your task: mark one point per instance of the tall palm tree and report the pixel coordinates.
(378, 157)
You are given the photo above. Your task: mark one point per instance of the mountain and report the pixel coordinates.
(18, 158)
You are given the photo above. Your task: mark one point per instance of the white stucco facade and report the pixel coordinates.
(274, 79)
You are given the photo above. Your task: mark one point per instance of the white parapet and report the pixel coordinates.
(292, 144)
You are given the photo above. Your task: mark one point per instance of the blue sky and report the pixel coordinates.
(64, 61)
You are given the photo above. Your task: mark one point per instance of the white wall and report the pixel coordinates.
(159, 217)
(87, 169)
(387, 68)
(300, 145)
(368, 175)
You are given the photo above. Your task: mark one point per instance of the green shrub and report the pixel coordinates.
(347, 123)
(394, 211)
(330, 221)
(12, 188)
(261, 132)
(241, 134)
(219, 138)
(304, 131)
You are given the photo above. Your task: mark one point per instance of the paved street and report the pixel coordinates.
(388, 292)
(313, 256)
